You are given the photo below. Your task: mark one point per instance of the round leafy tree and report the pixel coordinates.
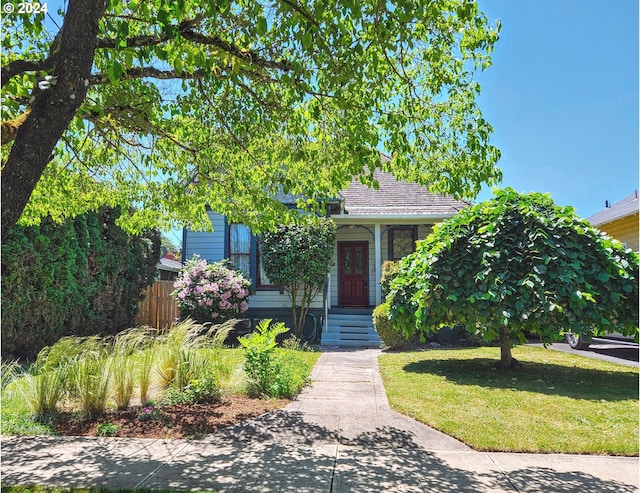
(211, 292)
(517, 263)
(298, 257)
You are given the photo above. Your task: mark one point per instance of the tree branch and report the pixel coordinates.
(187, 31)
(10, 128)
(136, 41)
(18, 67)
(151, 72)
(263, 102)
(147, 40)
(294, 6)
(248, 55)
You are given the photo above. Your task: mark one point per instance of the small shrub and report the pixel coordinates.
(274, 372)
(53, 373)
(391, 337)
(388, 274)
(211, 292)
(173, 352)
(123, 375)
(133, 357)
(294, 343)
(260, 345)
(192, 364)
(145, 363)
(107, 429)
(187, 350)
(291, 374)
(203, 390)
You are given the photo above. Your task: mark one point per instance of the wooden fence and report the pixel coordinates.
(158, 309)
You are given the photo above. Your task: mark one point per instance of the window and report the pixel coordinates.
(240, 248)
(263, 280)
(402, 242)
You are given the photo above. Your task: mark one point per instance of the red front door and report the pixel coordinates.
(353, 274)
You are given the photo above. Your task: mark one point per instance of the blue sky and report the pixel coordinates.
(562, 96)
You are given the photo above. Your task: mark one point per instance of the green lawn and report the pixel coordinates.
(557, 403)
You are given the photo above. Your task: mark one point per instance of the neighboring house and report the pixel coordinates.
(620, 220)
(168, 266)
(373, 226)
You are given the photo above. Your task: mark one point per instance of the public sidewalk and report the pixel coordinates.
(339, 435)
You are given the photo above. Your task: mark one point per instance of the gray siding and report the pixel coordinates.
(209, 245)
(273, 299)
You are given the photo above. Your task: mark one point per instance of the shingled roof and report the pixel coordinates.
(397, 197)
(622, 208)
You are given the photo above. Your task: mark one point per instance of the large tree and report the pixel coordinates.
(170, 105)
(517, 263)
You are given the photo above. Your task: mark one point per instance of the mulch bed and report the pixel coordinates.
(174, 421)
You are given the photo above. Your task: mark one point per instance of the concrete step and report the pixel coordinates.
(354, 336)
(340, 340)
(350, 319)
(354, 330)
(350, 328)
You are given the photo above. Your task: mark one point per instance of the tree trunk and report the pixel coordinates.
(52, 109)
(293, 296)
(506, 360)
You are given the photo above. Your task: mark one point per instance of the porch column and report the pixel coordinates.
(378, 262)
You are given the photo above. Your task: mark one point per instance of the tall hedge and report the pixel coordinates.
(82, 277)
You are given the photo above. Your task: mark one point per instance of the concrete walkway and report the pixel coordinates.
(339, 435)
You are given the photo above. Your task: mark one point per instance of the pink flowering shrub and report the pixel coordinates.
(211, 292)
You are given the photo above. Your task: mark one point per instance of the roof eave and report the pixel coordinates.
(612, 219)
(356, 218)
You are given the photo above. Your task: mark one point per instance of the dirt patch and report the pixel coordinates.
(175, 421)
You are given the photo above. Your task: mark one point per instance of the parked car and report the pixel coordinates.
(583, 341)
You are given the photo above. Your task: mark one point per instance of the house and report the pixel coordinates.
(372, 226)
(620, 220)
(168, 266)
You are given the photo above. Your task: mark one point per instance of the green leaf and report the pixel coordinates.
(540, 269)
(178, 65)
(128, 59)
(306, 40)
(261, 26)
(114, 72)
